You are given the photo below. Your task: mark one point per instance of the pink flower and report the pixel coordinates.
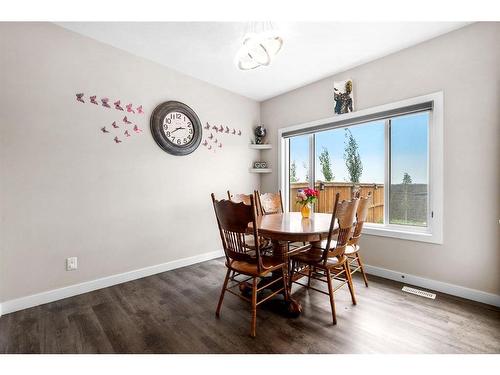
(307, 196)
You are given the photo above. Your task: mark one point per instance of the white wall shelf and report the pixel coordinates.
(261, 147)
(260, 170)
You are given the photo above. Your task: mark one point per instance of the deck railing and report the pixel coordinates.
(327, 191)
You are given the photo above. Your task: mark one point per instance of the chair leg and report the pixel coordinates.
(221, 298)
(254, 307)
(362, 269)
(292, 268)
(309, 276)
(348, 276)
(285, 283)
(330, 293)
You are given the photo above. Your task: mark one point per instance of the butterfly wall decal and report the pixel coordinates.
(239, 132)
(104, 102)
(117, 140)
(126, 121)
(114, 125)
(127, 134)
(233, 132)
(79, 97)
(129, 108)
(227, 129)
(117, 105)
(207, 126)
(221, 129)
(104, 130)
(137, 129)
(205, 143)
(211, 136)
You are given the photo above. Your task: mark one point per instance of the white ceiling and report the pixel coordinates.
(311, 51)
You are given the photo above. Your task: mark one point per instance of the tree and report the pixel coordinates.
(407, 179)
(293, 172)
(307, 170)
(352, 158)
(406, 205)
(326, 165)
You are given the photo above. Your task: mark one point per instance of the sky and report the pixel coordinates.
(409, 150)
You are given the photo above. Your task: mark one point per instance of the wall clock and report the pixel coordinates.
(176, 128)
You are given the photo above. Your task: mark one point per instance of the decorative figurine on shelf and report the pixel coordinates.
(259, 164)
(260, 133)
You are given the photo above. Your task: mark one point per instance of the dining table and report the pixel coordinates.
(284, 229)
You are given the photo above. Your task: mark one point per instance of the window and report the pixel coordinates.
(332, 174)
(386, 151)
(298, 167)
(409, 187)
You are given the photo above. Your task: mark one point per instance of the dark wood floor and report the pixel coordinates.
(173, 312)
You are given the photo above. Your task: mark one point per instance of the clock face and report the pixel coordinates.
(178, 128)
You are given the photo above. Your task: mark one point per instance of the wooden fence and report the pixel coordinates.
(327, 191)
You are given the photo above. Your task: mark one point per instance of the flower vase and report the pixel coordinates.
(306, 211)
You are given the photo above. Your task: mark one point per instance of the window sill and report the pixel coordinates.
(412, 235)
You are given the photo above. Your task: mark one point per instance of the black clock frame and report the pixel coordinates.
(159, 136)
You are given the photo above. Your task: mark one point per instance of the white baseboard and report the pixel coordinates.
(439, 286)
(88, 286)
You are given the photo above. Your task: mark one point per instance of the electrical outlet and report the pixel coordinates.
(71, 263)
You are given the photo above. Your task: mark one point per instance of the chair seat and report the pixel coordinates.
(314, 257)
(350, 249)
(250, 243)
(251, 269)
(333, 243)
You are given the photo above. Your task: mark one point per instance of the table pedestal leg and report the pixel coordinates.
(280, 249)
(289, 306)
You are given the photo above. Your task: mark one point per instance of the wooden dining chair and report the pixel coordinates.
(272, 203)
(237, 198)
(352, 249)
(233, 220)
(329, 261)
(269, 203)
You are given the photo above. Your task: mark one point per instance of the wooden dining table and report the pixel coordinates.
(288, 227)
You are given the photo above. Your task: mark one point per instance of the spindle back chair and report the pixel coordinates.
(329, 262)
(352, 251)
(270, 203)
(237, 198)
(265, 245)
(233, 220)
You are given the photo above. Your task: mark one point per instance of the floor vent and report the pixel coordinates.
(418, 292)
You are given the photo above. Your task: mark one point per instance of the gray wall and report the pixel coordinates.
(68, 190)
(465, 65)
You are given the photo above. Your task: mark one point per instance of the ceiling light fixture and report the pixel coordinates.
(260, 45)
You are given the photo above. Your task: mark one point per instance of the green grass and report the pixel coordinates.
(408, 222)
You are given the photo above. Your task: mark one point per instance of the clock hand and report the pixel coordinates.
(180, 128)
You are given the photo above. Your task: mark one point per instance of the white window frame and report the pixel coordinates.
(433, 233)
